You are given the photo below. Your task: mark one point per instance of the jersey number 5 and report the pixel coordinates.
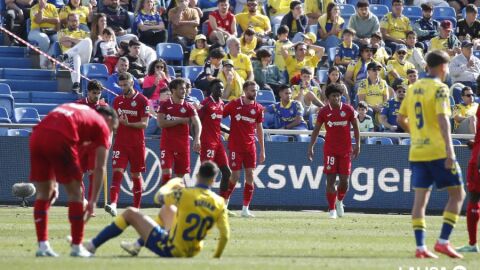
(419, 115)
(200, 225)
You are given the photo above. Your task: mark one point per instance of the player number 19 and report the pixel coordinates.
(330, 160)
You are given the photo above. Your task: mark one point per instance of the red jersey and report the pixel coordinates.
(244, 120)
(78, 123)
(135, 108)
(94, 106)
(225, 23)
(211, 115)
(476, 144)
(176, 138)
(337, 124)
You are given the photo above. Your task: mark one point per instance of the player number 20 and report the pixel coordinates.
(200, 225)
(330, 160)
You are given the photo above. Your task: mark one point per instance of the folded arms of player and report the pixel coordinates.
(224, 230)
(140, 125)
(163, 122)
(99, 173)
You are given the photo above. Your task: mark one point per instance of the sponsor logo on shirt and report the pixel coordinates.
(239, 117)
(127, 112)
(337, 123)
(171, 118)
(215, 116)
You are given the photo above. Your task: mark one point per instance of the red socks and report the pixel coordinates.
(226, 194)
(115, 188)
(90, 186)
(247, 194)
(472, 221)
(77, 224)
(40, 217)
(165, 178)
(331, 198)
(137, 191)
(341, 194)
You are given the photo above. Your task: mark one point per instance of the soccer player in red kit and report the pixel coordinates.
(246, 119)
(69, 126)
(473, 187)
(87, 158)
(211, 113)
(174, 117)
(129, 145)
(337, 151)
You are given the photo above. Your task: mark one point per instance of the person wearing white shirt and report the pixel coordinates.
(465, 67)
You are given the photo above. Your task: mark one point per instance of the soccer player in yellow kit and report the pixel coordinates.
(425, 114)
(199, 209)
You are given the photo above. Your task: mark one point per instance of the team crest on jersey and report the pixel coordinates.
(214, 116)
(182, 110)
(252, 112)
(342, 114)
(238, 117)
(329, 167)
(133, 104)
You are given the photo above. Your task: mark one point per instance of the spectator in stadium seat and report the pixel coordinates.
(76, 47)
(277, 9)
(232, 81)
(294, 63)
(464, 113)
(288, 112)
(373, 90)
(107, 47)
(43, 30)
(465, 67)
(260, 22)
(151, 29)
(17, 12)
(459, 5)
(199, 53)
(222, 24)
(84, 14)
(412, 76)
(381, 54)
(313, 11)
(347, 51)
(248, 43)
(99, 23)
(282, 40)
(330, 25)
(394, 26)
(157, 78)
(112, 81)
(365, 121)
(118, 19)
(398, 66)
(307, 93)
(415, 54)
(469, 27)
(296, 21)
(211, 70)
(242, 6)
(364, 22)
(426, 28)
(388, 116)
(357, 71)
(242, 63)
(446, 40)
(267, 76)
(185, 21)
(138, 66)
(335, 76)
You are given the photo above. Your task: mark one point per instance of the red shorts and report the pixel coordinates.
(135, 155)
(181, 160)
(53, 161)
(247, 159)
(337, 164)
(87, 158)
(473, 178)
(215, 153)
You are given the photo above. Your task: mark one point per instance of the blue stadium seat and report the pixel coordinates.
(93, 71)
(3, 131)
(12, 51)
(322, 76)
(352, 2)
(387, 3)
(18, 132)
(4, 118)
(444, 12)
(226, 121)
(7, 102)
(476, 53)
(332, 52)
(268, 120)
(170, 52)
(265, 97)
(312, 119)
(379, 10)
(279, 138)
(405, 141)
(456, 142)
(15, 62)
(171, 71)
(205, 28)
(198, 94)
(52, 97)
(346, 10)
(412, 12)
(380, 140)
(191, 72)
(22, 96)
(26, 115)
(31, 85)
(313, 28)
(31, 74)
(5, 89)
(457, 95)
(42, 108)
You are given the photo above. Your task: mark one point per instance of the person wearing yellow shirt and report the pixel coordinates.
(260, 23)
(313, 11)
(357, 71)
(178, 230)
(425, 114)
(381, 55)
(373, 89)
(248, 43)
(282, 40)
(200, 53)
(397, 67)
(394, 26)
(301, 58)
(241, 62)
(446, 40)
(76, 47)
(75, 6)
(232, 81)
(278, 9)
(307, 93)
(330, 25)
(43, 29)
(464, 113)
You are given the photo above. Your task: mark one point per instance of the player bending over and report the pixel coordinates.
(198, 210)
(337, 152)
(69, 126)
(425, 114)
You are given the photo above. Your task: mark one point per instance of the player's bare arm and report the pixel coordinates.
(164, 123)
(444, 123)
(356, 134)
(99, 173)
(261, 142)
(142, 124)
(197, 127)
(402, 121)
(313, 140)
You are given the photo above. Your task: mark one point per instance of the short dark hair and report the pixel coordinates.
(363, 105)
(175, 83)
(249, 32)
(222, 1)
(283, 29)
(411, 33)
(208, 170)
(108, 31)
(411, 70)
(306, 70)
(349, 31)
(164, 89)
(397, 1)
(363, 3)
(299, 44)
(108, 112)
(151, 67)
(246, 84)
(437, 58)
(283, 87)
(471, 8)
(134, 42)
(94, 85)
(334, 88)
(217, 53)
(262, 53)
(294, 3)
(125, 76)
(465, 89)
(213, 82)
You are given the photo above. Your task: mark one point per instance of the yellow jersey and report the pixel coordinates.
(311, 6)
(248, 48)
(81, 11)
(296, 91)
(78, 34)
(294, 66)
(281, 6)
(241, 63)
(396, 27)
(279, 60)
(259, 22)
(199, 209)
(50, 11)
(400, 68)
(425, 99)
(381, 56)
(464, 111)
(438, 43)
(199, 56)
(374, 93)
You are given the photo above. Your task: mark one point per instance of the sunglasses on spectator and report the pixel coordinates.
(401, 52)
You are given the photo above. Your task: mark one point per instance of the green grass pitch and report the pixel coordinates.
(273, 240)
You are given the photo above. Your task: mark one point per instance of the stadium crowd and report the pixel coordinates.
(304, 45)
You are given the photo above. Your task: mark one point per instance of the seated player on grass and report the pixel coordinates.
(199, 209)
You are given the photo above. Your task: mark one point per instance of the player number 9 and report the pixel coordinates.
(419, 115)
